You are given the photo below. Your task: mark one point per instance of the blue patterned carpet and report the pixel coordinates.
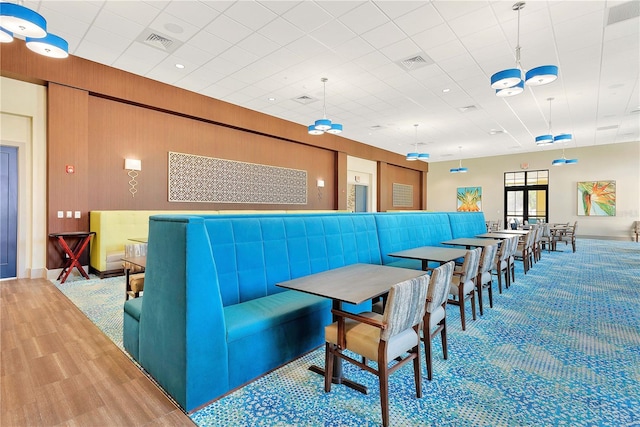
(561, 347)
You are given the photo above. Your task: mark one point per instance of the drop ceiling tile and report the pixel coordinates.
(332, 34)
(452, 9)
(281, 31)
(445, 51)
(199, 14)
(82, 11)
(175, 28)
(96, 52)
(384, 35)
(364, 18)
(139, 59)
(307, 16)
(258, 45)
(433, 37)
(250, 14)
(473, 22)
(110, 21)
(339, 8)
(279, 7)
(228, 29)
(138, 12)
(209, 43)
(395, 9)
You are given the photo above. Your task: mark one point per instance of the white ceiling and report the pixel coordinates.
(246, 52)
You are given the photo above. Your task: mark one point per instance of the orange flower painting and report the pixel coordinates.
(469, 199)
(597, 198)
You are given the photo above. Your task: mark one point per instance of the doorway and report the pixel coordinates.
(8, 211)
(526, 197)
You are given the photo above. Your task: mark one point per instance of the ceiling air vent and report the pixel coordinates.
(305, 99)
(415, 61)
(467, 109)
(623, 11)
(158, 41)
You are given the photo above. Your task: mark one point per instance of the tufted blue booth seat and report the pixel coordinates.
(400, 231)
(212, 319)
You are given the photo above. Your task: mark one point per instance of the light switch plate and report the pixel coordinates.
(69, 214)
(76, 214)
(60, 214)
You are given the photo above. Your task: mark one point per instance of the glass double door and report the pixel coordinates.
(526, 205)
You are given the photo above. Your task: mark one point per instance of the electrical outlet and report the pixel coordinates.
(76, 214)
(69, 214)
(60, 214)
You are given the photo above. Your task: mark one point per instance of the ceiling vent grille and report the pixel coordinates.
(415, 61)
(467, 109)
(623, 12)
(158, 41)
(304, 99)
(610, 127)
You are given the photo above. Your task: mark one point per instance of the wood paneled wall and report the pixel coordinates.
(98, 116)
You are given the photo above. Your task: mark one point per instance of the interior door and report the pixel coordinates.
(361, 198)
(8, 211)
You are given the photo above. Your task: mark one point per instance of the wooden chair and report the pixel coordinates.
(435, 316)
(463, 284)
(567, 236)
(514, 241)
(483, 279)
(134, 273)
(524, 252)
(393, 336)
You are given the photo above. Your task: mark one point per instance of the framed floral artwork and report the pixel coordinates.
(597, 198)
(469, 199)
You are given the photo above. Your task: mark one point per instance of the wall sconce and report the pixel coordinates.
(320, 184)
(133, 165)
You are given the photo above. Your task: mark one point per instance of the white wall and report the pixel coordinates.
(618, 162)
(23, 125)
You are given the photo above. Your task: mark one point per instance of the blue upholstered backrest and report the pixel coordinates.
(400, 231)
(467, 224)
(252, 254)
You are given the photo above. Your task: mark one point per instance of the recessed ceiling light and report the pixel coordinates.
(447, 90)
(180, 66)
(496, 131)
(271, 98)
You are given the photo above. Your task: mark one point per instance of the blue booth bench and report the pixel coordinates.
(211, 318)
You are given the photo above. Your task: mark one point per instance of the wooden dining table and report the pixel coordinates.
(495, 235)
(430, 253)
(471, 242)
(354, 284)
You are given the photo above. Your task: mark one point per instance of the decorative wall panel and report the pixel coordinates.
(402, 195)
(207, 179)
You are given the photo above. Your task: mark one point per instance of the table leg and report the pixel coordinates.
(337, 377)
(74, 255)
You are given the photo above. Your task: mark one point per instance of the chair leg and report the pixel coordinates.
(499, 281)
(417, 375)
(479, 291)
(461, 303)
(443, 337)
(383, 373)
(473, 305)
(426, 333)
(328, 367)
(490, 288)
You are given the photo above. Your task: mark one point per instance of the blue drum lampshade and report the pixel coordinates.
(412, 156)
(510, 91)
(541, 75)
(563, 137)
(544, 139)
(22, 20)
(51, 46)
(506, 78)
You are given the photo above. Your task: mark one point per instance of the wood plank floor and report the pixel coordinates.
(58, 368)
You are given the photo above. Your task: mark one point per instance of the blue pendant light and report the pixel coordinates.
(51, 46)
(324, 125)
(548, 138)
(509, 82)
(563, 161)
(416, 155)
(459, 169)
(20, 20)
(563, 137)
